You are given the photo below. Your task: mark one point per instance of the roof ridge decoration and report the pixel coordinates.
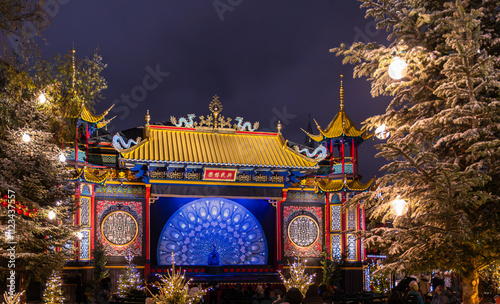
(319, 154)
(85, 174)
(215, 121)
(334, 185)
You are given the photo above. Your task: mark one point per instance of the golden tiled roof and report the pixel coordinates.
(88, 116)
(88, 176)
(333, 185)
(341, 125)
(203, 147)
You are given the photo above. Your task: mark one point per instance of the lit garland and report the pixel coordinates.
(53, 293)
(298, 277)
(14, 299)
(174, 289)
(19, 208)
(130, 280)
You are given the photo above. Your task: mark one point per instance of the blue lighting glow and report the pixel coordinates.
(196, 227)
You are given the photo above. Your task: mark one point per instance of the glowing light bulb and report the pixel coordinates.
(62, 157)
(41, 99)
(79, 235)
(51, 215)
(381, 132)
(399, 206)
(397, 68)
(26, 138)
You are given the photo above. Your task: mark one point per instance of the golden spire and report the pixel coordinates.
(73, 68)
(341, 93)
(146, 129)
(279, 127)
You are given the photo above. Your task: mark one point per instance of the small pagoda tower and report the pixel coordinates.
(338, 180)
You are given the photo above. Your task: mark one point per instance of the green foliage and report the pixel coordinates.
(174, 289)
(130, 282)
(53, 293)
(100, 260)
(444, 150)
(379, 281)
(332, 272)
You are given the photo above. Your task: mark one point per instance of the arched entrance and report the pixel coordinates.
(196, 227)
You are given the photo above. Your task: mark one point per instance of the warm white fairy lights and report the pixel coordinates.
(298, 277)
(174, 288)
(53, 293)
(397, 68)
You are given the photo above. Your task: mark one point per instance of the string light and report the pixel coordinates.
(381, 132)
(397, 68)
(41, 99)
(62, 157)
(51, 215)
(26, 137)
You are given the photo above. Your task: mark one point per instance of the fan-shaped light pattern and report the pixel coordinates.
(196, 227)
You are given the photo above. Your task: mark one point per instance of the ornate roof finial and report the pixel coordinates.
(215, 107)
(146, 129)
(279, 127)
(341, 93)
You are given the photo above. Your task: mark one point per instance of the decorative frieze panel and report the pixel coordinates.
(120, 226)
(85, 211)
(304, 197)
(336, 244)
(351, 247)
(302, 231)
(120, 192)
(85, 245)
(336, 217)
(351, 219)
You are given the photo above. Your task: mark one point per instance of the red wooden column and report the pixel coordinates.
(343, 224)
(147, 266)
(342, 154)
(328, 218)
(278, 230)
(92, 221)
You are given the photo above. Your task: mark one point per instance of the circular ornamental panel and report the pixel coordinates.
(119, 228)
(303, 231)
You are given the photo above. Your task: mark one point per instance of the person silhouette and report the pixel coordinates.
(213, 257)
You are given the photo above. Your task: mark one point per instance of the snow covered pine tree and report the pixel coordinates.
(444, 120)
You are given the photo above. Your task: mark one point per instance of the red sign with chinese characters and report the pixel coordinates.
(226, 175)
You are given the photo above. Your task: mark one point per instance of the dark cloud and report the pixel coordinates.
(262, 58)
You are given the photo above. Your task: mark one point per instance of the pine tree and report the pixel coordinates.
(53, 293)
(444, 149)
(298, 276)
(129, 282)
(173, 288)
(100, 260)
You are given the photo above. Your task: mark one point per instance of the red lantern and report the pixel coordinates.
(26, 213)
(19, 211)
(5, 204)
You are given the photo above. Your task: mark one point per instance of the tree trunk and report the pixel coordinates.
(470, 283)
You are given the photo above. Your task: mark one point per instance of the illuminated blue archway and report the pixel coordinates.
(197, 226)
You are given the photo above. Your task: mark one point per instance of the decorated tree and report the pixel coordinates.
(298, 276)
(331, 269)
(130, 282)
(53, 293)
(441, 67)
(100, 260)
(12, 298)
(173, 288)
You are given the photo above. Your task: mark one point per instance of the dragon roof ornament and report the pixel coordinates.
(215, 121)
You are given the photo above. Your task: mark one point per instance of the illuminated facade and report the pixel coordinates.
(225, 198)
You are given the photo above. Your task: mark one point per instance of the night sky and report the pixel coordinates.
(267, 60)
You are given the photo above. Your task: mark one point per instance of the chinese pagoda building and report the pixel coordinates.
(216, 187)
